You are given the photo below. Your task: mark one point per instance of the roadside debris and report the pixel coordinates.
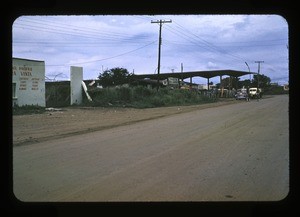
(53, 109)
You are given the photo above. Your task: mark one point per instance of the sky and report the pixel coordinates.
(189, 43)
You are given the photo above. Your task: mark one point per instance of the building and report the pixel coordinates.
(28, 82)
(191, 74)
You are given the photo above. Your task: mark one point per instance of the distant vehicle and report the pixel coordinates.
(255, 92)
(241, 94)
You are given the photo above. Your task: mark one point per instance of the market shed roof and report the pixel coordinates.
(204, 74)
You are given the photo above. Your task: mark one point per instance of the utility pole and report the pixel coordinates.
(259, 62)
(159, 45)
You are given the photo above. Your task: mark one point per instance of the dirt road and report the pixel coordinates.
(28, 129)
(234, 152)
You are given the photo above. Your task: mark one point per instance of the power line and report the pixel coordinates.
(122, 54)
(209, 45)
(71, 27)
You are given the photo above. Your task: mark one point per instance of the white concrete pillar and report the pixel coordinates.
(76, 75)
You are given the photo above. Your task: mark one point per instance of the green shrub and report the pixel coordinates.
(143, 97)
(124, 94)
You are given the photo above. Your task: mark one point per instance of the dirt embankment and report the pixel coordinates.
(74, 120)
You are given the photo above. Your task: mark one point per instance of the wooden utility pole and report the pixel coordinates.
(159, 45)
(259, 62)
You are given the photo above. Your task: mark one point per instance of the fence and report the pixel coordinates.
(57, 93)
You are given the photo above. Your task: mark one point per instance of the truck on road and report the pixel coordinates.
(255, 92)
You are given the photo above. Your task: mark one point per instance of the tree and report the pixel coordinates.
(228, 82)
(114, 76)
(245, 83)
(264, 81)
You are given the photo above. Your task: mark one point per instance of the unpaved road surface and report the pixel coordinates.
(62, 122)
(234, 152)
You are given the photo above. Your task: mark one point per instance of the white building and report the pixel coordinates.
(28, 82)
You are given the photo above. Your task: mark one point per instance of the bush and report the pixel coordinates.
(143, 97)
(124, 94)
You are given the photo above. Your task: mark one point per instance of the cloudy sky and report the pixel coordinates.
(196, 42)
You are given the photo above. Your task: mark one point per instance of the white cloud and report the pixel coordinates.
(211, 65)
(200, 42)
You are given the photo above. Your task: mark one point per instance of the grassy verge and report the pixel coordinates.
(143, 97)
(27, 110)
(134, 97)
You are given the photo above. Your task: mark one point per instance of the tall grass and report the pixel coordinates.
(143, 97)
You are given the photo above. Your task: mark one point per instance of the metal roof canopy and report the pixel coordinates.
(204, 74)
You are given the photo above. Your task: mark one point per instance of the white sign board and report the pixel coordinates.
(28, 83)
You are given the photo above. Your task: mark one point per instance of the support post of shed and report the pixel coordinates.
(221, 86)
(207, 83)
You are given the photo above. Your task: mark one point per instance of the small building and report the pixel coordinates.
(28, 82)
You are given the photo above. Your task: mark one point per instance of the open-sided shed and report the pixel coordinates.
(191, 74)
